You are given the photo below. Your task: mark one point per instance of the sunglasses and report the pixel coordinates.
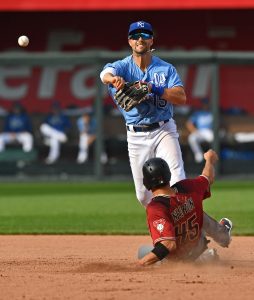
(144, 36)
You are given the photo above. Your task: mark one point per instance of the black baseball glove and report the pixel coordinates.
(132, 94)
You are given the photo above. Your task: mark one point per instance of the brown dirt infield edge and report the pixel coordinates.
(104, 267)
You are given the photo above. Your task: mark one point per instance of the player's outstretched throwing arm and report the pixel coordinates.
(109, 78)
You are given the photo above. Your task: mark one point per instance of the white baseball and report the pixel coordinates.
(23, 41)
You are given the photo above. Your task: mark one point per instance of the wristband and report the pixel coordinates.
(160, 251)
(157, 90)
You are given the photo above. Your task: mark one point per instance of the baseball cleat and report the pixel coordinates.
(229, 225)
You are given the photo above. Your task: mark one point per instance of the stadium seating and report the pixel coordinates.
(115, 144)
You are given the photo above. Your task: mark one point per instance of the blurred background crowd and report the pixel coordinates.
(49, 122)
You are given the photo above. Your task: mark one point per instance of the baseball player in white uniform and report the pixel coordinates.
(200, 126)
(17, 128)
(151, 129)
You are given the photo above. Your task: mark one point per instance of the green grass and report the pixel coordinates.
(70, 208)
(234, 200)
(105, 208)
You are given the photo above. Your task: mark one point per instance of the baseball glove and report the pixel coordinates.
(132, 94)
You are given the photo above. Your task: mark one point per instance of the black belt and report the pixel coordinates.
(144, 128)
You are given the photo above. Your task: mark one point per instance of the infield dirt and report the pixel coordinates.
(104, 267)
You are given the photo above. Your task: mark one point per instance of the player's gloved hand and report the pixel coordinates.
(132, 94)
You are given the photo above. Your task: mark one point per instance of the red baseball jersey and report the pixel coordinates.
(179, 217)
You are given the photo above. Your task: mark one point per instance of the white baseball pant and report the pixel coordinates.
(55, 138)
(23, 138)
(83, 147)
(196, 138)
(162, 142)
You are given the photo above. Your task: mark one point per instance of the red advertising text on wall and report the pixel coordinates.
(37, 87)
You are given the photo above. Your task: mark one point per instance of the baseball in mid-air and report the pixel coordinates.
(23, 41)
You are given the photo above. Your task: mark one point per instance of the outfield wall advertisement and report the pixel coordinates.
(36, 87)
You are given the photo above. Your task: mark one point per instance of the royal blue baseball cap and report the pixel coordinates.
(141, 26)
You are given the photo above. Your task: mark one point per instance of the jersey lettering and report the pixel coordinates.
(188, 230)
(181, 233)
(158, 102)
(159, 79)
(193, 227)
(180, 211)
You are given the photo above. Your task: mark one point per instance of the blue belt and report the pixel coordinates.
(145, 128)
